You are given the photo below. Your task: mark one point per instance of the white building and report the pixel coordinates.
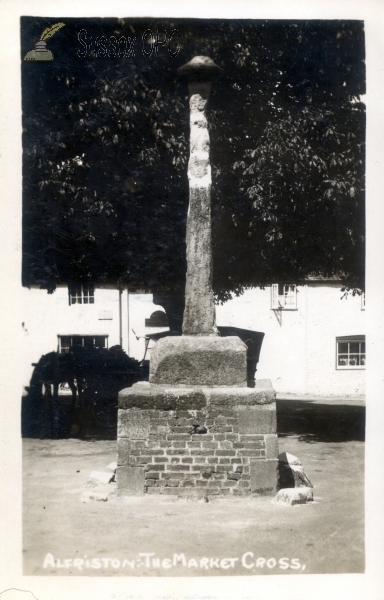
(314, 340)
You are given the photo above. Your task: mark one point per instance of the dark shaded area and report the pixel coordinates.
(44, 418)
(253, 341)
(320, 422)
(105, 151)
(87, 406)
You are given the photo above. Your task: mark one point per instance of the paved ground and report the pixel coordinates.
(153, 536)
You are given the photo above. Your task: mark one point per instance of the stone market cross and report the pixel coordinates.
(196, 428)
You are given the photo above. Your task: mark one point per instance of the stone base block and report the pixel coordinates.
(292, 496)
(199, 360)
(264, 476)
(130, 481)
(197, 441)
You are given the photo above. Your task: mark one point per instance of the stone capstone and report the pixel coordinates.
(199, 361)
(292, 496)
(199, 68)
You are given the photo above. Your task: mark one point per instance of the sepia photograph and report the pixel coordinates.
(193, 275)
(193, 258)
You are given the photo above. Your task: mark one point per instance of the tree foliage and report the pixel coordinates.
(106, 148)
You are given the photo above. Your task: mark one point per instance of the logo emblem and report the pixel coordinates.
(40, 51)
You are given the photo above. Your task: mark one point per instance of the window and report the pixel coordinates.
(81, 293)
(284, 296)
(350, 352)
(66, 342)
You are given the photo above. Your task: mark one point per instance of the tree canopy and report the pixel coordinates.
(105, 140)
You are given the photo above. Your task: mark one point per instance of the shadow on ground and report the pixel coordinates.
(316, 421)
(47, 418)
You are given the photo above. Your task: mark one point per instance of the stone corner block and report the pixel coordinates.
(258, 419)
(271, 446)
(264, 477)
(199, 360)
(130, 481)
(133, 424)
(292, 496)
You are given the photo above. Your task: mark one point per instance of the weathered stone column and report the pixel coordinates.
(199, 314)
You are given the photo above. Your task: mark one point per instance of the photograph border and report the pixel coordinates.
(123, 588)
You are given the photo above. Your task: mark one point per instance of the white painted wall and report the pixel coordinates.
(328, 317)
(298, 354)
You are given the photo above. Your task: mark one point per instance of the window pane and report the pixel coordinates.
(88, 341)
(354, 359)
(65, 344)
(77, 341)
(100, 341)
(354, 347)
(362, 346)
(343, 347)
(342, 360)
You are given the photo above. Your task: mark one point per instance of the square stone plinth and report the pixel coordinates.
(199, 360)
(197, 440)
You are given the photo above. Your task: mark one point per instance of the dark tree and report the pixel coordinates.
(106, 147)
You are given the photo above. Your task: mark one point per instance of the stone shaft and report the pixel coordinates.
(199, 313)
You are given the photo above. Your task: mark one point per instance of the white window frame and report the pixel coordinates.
(79, 337)
(363, 301)
(81, 293)
(284, 296)
(348, 356)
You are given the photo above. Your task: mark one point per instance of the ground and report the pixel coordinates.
(163, 537)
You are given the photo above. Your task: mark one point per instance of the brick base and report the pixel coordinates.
(197, 441)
